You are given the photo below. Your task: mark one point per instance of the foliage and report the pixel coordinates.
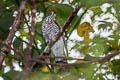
(83, 31)
(95, 47)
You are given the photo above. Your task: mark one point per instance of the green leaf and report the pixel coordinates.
(41, 6)
(88, 71)
(98, 49)
(76, 1)
(96, 11)
(117, 15)
(6, 21)
(115, 66)
(24, 34)
(105, 24)
(74, 24)
(84, 49)
(71, 76)
(75, 21)
(6, 17)
(13, 75)
(114, 42)
(99, 46)
(38, 35)
(35, 53)
(44, 76)
(116, 5)
(76, 46)
(100, 76)
(109, 10)
(93, 3)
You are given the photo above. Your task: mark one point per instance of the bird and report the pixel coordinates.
(50, 28)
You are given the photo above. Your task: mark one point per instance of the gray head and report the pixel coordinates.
(51, 16)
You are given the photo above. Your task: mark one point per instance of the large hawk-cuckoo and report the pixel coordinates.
(49, 29)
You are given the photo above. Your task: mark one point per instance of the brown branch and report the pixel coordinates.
(10, 48)
(53, 57)
(59, 64)
(27, 63)
(15, 26)
(109, 56)
(101, 60)
(32, 30)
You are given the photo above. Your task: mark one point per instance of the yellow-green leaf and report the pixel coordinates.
(44, 69)
(83, 31)
(84, 28)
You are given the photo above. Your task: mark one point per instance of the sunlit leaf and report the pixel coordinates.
(98, 49)
(88, 71)
(84, 49)
(45, 69)
(99, 46)
(83, 30)
(114, 42)
(96, 11)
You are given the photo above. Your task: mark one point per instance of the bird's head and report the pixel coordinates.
(51, 16)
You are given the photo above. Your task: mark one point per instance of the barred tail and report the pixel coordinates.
(58, 50)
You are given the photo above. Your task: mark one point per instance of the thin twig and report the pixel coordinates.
(109, 56)
(54, 57)
(27, 63)
(101, 60)
(15, 26)
(32, 30)
(10, 48)
(59, 64)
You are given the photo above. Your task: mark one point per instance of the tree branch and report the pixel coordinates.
(15, 26)
(27, 63)
(100, 60)
(109, 56)
(58, 64)
(10, 48)
(54, 57)
(32, 30)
